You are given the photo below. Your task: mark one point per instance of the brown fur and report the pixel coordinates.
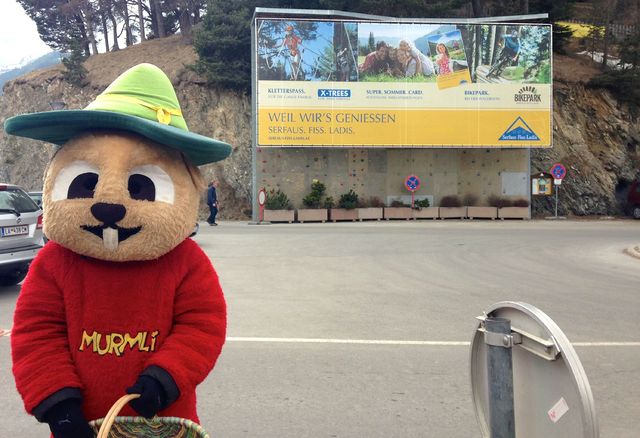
(164, 225)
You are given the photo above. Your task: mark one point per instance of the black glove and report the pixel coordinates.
(66, 420)
(152, 396)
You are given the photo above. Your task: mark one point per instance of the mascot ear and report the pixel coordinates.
(196, 176)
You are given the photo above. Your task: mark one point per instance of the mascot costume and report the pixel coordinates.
(120, 300)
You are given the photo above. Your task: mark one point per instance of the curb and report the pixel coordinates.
(633, 251)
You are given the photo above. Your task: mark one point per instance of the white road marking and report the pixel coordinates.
(4, 332)
(395, 342)
(344, 341)
(606, 344)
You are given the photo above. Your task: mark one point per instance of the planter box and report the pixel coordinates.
(369, 213)
(312, 215)
(453, 212)
(398, 213)
(279, 215)
(513, 213)
(482, 212)
(426, 213)
(342, 214)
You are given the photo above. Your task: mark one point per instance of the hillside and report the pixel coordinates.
(595, 136)
(217, 113)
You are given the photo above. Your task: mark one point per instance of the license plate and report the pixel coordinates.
(15, 231)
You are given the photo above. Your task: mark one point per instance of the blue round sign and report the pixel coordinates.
(558, 171)
(412, 183)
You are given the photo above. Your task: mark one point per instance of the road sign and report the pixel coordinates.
(262, 197)
(557, 181)
(558, 171)
(552, 396)
(412, 183)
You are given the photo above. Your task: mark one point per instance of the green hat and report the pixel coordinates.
(141, 100)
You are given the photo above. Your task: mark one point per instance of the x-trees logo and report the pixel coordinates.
(527, 94)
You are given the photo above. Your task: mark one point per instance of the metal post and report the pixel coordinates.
(557, 191)
(500, 377)
(254, 122)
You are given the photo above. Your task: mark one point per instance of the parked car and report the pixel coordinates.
(21, 234)
(633, 198)
(37, 198)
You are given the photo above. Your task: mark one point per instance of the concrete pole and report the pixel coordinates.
(500, 381)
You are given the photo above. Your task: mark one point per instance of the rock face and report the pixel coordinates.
(595, 137)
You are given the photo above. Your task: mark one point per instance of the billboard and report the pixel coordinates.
(348, 83)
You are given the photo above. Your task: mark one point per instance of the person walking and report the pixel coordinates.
(212, 202)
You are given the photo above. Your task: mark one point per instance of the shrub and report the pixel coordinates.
(348, 200)
(376, 202)
(398, 203)
(499, 201)
(450, 201)
(329, 202)
(624, 84)
(521, 203)
(277, 200)
(314, 199)
(422, 203)
(470, 200)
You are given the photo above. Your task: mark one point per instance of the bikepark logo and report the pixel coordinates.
(334, 93)
(527, 94)
(519, 131)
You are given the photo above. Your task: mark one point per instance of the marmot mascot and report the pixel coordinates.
(120, 299)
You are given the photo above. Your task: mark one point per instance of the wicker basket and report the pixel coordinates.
(112, 426)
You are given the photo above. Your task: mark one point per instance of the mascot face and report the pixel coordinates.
(118, 196)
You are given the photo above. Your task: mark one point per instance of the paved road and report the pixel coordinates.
(339, 284)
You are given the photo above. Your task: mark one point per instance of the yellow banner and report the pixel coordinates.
(404, 127)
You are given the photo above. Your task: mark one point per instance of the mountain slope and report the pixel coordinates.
(43, 61)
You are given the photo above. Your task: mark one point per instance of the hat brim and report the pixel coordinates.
(58, 127)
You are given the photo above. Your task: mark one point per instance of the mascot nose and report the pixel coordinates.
(108, 213)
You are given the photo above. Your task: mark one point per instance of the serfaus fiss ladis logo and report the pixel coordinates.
(527, 94)
(519, 131)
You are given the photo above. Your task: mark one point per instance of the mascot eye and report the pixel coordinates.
(83, 186)
(141, 187)
(151, 183)
(75, 181)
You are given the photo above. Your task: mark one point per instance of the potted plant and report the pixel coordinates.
(278, 207)
(423, 210)
(451, 207)
(518, 209)
(474, 211)
(398, 210)
(314, 208)
(346, 210)
(371, 210)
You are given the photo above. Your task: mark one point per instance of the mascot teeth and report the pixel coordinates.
(110, 238)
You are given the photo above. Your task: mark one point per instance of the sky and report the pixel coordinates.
(18, 35)
(399, 31)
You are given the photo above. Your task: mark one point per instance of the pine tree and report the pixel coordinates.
(76, 74)
(223, 44)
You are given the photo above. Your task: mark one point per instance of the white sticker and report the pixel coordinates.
(558, 410)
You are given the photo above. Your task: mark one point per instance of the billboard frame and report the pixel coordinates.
(326, 15)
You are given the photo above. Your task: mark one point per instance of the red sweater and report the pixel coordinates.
(96, 325)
